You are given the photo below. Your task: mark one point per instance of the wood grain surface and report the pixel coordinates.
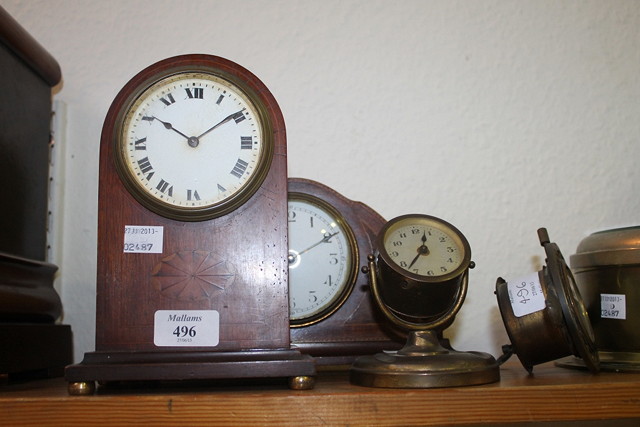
(551, 394)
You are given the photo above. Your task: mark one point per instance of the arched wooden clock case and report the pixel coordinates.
(352, 326)
(245, 248)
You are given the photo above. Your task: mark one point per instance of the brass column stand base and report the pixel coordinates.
(424, 363)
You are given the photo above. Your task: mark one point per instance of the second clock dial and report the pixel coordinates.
(322, 259)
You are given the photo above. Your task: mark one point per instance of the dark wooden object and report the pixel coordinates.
(357, 327)
(34, 350)
(31, 345)
(28, 73)
(251, 241)
(26, 291)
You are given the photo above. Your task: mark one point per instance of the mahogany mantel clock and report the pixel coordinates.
(332, 312)
(192, 231)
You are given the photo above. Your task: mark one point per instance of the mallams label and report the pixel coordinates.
(186, 328)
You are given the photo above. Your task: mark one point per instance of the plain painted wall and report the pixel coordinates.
(498, 116)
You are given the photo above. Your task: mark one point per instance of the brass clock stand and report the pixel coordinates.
(426, 360)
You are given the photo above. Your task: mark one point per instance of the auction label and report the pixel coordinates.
(186, 328)
(526, 295)
(142, 239)
(613, 306)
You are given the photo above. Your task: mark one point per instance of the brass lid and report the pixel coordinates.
(620, 246)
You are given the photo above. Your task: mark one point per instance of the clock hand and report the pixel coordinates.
(422, 250)
(325, 239)
(414, 260)
(169, 126)
(220, 123)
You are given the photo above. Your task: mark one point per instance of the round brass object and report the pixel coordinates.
(81, 388)
(559, 325)
(419, 281)
(423, 265)
(302, 382)
(425, 362)
(606, 267)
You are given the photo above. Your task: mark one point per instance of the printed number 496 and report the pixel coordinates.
(184, 331)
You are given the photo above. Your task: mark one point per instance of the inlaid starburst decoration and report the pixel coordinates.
(192, 275)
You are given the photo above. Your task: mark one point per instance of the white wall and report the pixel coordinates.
(498, 116)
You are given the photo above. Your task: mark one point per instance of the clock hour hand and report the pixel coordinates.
(325, 239)
(422, 250)
(169, 126)
(221, 122)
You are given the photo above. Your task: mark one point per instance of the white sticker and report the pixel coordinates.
(186, 328)
(140, 239)
(526, 295)
(613, 306)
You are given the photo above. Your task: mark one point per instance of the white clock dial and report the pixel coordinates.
(424, 247)
(321, 261)
(192, 141)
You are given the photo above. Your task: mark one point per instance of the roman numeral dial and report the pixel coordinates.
(192, 144)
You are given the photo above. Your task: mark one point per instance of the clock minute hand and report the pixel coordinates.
(414, 260)
(325, 239)
(220, 123)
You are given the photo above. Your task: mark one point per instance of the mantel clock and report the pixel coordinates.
(332, 312)
(419, 279)
(192, 231)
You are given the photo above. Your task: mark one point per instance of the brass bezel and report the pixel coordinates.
(352, 275)
(431, 221)
(217, 209)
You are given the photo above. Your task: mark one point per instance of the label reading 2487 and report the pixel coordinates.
(613, 306)
(141, 239)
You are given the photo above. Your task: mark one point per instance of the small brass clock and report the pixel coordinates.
(419, 280)
(192, 231)
(424, 255)
(332, 312)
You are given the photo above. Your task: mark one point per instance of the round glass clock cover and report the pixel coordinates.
(425, 246)
(423, 267)
(322, 260)
(193, 145)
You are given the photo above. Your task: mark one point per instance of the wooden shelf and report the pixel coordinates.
(551, 394)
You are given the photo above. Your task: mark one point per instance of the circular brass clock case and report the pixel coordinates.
(419, 280)
(404, 288)
(606, 267)
(152, 86)
(556, 323)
